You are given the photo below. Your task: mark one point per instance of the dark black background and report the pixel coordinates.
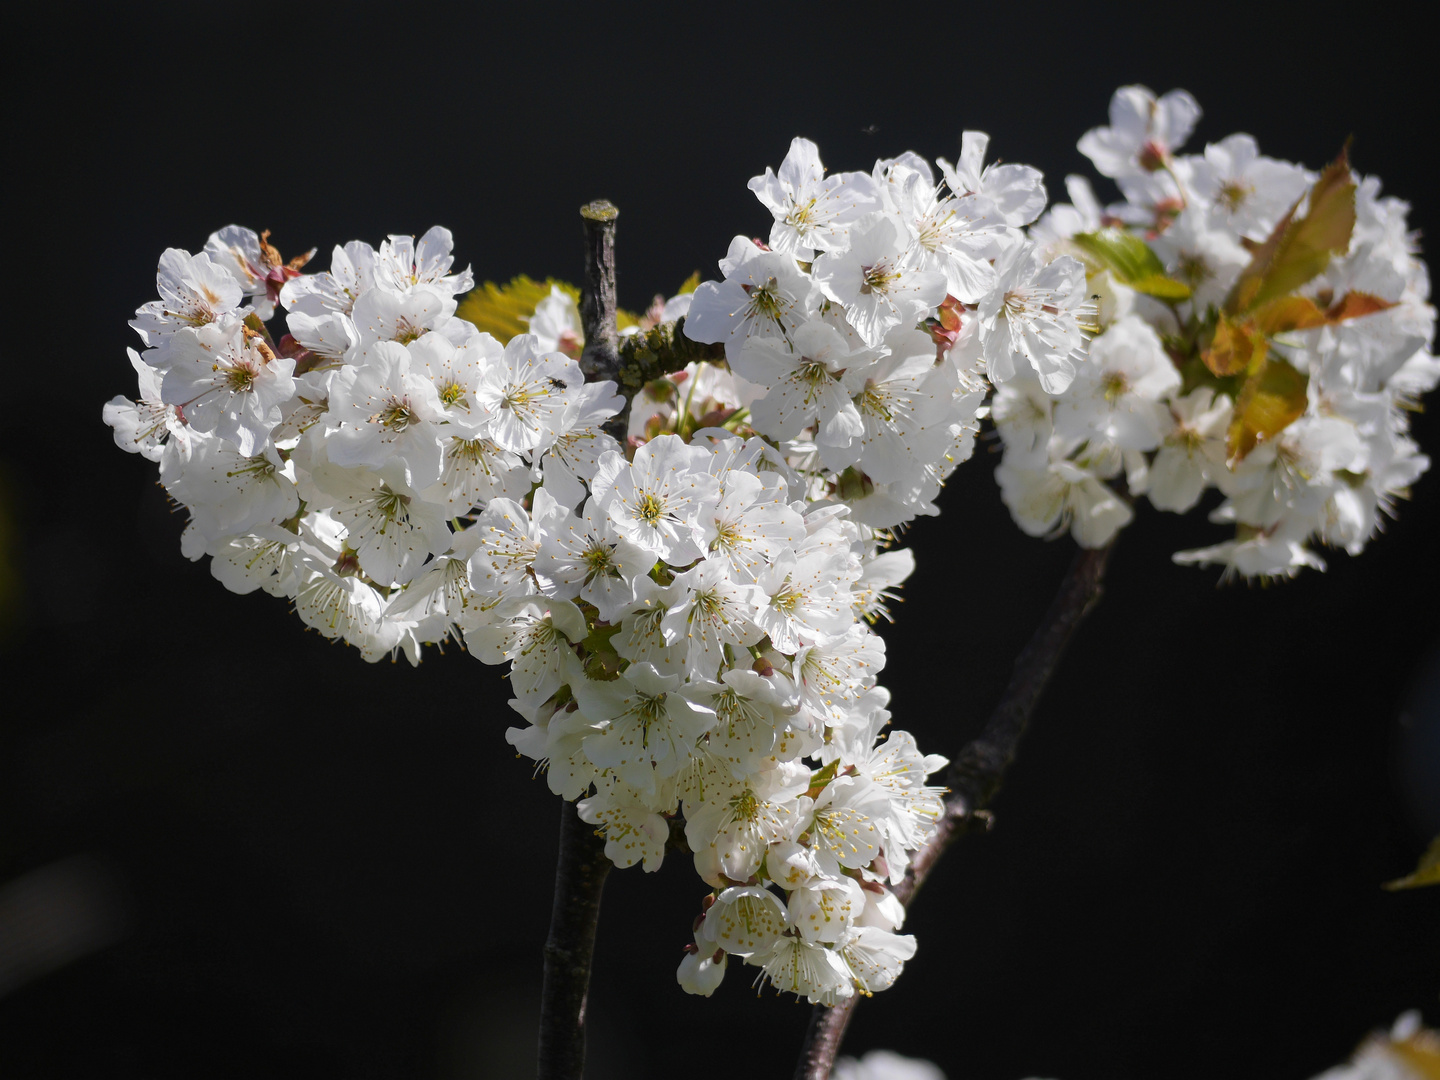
(325, 868)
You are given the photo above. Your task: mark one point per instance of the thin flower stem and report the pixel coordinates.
(579, 880)
(975, 775)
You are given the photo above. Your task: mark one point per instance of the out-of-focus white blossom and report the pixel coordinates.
(885, 1065)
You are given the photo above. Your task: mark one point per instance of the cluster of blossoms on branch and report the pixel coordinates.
(685, 603)
(683, 627)
(1265, 331)
(857, 339)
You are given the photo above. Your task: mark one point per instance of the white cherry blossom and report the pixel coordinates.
(582, 555)
(194, 292)
(524, 395)
(223, 379)
(385, 411)
(651, 724)
(1247, 192)
(764, 294)
(402, 264)
(145, 426)
(811, 210)
(656, 500)
(1143, 131)
(873, 281)
(1033, 317)
(1017, 191)
(1118, 392)
(745, 920)
(810, 381)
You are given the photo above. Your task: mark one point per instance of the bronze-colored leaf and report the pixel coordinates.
(1271, 400)
(1233, 348)
(1353, 305)
(1301, 313)
(1261, 256)
(1420, 1052)
(255, 326)
(1299, 249)
(1289, 313)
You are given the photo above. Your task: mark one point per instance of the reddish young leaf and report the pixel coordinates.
(1355, 304)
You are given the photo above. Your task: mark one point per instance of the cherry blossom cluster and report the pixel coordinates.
(685, 616)
(685, 604)
(855, 343)
(725, 692)
(337, 467)
(1230, 354)
(857, 338)
(685, 630)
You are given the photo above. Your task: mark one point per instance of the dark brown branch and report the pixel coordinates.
(579, 880)
(600, 360)
(582, 866)
(636, 359)
(974, 776)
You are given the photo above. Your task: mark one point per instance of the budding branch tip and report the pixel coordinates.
(599, 210)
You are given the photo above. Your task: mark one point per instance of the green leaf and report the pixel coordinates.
(1121, 252)
(1130, 262)
(598, 639)
(505, 310)
(1300, 249)
(1427, 872)
(822, 777)
(1161, 287)
(1271, 400)
(690, 284)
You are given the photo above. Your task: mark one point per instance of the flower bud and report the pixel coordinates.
(701, 975)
